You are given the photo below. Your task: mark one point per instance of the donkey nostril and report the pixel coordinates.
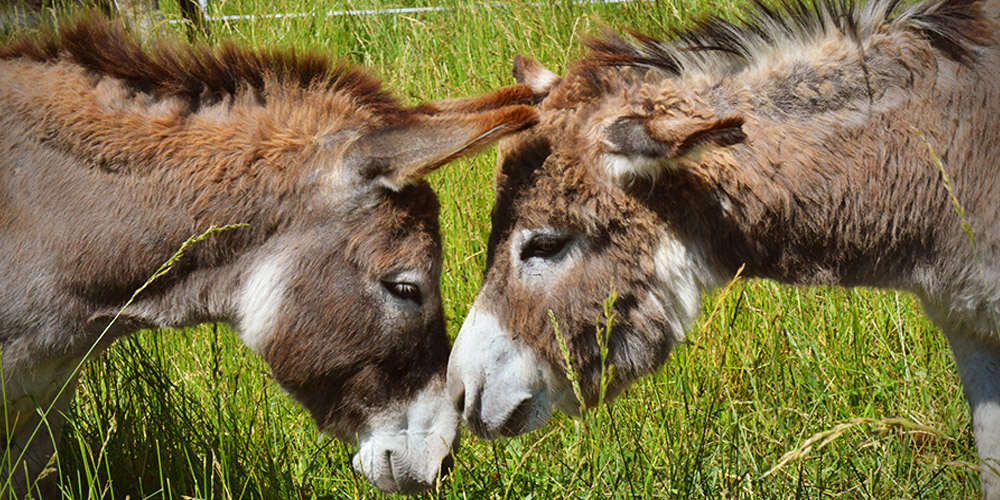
(447, 463)
(457, 390)
(518, 419)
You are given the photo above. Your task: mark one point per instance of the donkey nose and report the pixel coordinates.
(456, 389)
(519, 420)
(447, 463)
(467, 404)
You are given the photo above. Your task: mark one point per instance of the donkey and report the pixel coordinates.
(114, 156)
(795, 143)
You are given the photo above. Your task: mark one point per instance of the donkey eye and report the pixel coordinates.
(403, 290)
(543, 246)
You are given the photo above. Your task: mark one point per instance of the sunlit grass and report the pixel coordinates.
(173, 415)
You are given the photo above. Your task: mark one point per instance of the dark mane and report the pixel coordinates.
(197, 73)
(955, 27)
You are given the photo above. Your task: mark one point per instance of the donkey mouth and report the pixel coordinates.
(407, 462)
(408, 448)
(395, 472)
(524, 418)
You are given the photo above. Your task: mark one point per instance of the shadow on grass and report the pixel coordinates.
(134, 431)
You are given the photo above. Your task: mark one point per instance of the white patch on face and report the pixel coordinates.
(258, 304)
(502, 386)
(683, 275)
(622, 167)
(540, 270)
(404, 447)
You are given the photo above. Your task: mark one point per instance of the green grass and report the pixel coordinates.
(178, 414)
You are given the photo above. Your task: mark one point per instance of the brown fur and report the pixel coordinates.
(801, 159)
(803, 212)
(115, 155)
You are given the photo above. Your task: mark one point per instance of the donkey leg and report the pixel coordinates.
(35, 408)
(978, 360)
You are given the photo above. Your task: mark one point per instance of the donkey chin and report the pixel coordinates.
(407, 448)
(501, 386)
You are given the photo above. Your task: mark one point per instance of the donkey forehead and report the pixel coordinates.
(383, 230)
(564, 156)
(410, 214)
(621, 89)
(553, 174)
(588, 100)
(541, 186)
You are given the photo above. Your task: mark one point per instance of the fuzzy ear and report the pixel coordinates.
(403, 154)
(538, 78)
(638, 145)
(499, 98)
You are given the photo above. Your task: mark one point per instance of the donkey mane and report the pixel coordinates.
(199, 74)
(719, 47)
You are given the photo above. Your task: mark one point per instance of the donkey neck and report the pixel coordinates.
(142, 174)
(218, 158)
(835, 184)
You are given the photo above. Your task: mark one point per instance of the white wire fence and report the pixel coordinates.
(378, 12)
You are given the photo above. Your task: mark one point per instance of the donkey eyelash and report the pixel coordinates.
(403, 290)
(543, 246)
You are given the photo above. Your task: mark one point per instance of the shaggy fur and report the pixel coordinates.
(718, 47)
(114, 156)
(792, 143)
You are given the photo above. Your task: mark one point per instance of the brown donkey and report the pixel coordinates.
(113, 157)
(792, 143)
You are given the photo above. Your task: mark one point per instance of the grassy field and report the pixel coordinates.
(768, 370)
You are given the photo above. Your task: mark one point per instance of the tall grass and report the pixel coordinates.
(192, 414)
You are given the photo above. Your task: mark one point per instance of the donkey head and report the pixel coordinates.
(344, 301)
(586, 207)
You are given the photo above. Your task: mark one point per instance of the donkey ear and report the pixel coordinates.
(403, 154)
(639, 145)
(499, 98)
(538, 78)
